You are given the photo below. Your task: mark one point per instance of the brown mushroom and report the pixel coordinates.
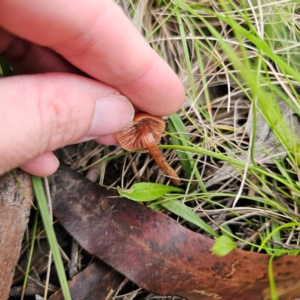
(145, 132)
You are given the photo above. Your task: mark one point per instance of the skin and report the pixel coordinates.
(80, 77)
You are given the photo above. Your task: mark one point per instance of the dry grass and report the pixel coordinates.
(251, 200)
(259, 192)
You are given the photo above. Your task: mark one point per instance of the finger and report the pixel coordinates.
(40, 113)
(43, 165)
(103, 43)
(107, 140)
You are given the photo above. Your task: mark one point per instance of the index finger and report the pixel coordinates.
(99, 39)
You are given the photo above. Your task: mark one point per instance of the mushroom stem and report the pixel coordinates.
(160, 160)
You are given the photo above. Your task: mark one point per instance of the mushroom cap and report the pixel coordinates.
(145, 130)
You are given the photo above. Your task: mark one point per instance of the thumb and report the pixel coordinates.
(41, 113)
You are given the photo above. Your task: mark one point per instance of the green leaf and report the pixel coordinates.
(146, 191)
(223, 245)
(185, 212)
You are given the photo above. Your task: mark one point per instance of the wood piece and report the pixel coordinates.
(16, 196)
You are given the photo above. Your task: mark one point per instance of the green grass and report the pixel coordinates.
(250, 49)
(34, 231)
(47, 221)
(237, 60)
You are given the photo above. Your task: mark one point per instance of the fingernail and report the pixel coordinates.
(112, 113)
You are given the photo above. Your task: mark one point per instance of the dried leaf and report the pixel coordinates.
(94, 283)
(34, 286)
(159, 254)
(185, 212)
(16, 196)
(39, 262)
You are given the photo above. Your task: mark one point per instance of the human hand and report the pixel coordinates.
(78, 64)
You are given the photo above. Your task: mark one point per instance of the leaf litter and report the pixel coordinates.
(216, 116)
(158, 253)
(266, 146)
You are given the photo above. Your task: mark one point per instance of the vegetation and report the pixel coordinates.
(236, 140)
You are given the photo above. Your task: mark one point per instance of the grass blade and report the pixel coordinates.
(186, 213)
(44, 211)
(177, 128)
(273, 290)
(30, 253)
